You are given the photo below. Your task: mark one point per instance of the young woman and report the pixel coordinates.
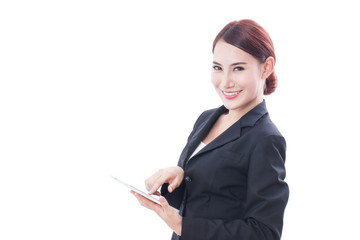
(229, 182)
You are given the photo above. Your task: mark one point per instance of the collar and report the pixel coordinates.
(251, 117)
(230, 134)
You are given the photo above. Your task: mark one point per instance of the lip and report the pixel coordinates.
(231, 94)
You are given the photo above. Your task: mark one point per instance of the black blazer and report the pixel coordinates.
(234, 187)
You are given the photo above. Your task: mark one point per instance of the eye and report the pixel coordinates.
(239, 69)
(216, 68)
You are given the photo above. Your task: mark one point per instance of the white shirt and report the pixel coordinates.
(201, 146)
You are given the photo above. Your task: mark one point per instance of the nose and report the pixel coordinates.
(227, 81)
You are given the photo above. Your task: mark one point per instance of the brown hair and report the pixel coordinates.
(250, 37)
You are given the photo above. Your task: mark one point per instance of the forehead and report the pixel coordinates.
(226, 53)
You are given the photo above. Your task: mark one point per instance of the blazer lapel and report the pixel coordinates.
(230, 134)
(201, 132)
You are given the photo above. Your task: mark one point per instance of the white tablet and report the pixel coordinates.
(140, 192)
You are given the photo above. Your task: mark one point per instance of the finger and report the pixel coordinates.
(155, 188)
(146, 202)
(149, 183)
(174, 184)
(170, 189)
(159, 182)
(157, 193)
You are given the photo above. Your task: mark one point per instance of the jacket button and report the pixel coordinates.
(187, 179)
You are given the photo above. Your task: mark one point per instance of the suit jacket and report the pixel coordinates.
(234, 187)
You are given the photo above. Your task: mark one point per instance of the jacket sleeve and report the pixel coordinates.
(175, 198)
(267, 197)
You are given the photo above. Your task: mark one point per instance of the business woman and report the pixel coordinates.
(229, 181)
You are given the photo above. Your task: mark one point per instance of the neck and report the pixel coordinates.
(237, 113)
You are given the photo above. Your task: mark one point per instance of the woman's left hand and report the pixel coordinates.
(165, 211)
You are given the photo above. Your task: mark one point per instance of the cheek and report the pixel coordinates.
(214, 80)
(245, 80)
(253, 80)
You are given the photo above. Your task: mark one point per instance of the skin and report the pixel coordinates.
(234, 71)
(173, 176)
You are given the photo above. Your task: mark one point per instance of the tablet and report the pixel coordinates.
(139, 192)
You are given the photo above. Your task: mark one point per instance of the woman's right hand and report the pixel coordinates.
(171, 175)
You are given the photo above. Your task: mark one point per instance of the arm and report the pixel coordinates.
(266, 200)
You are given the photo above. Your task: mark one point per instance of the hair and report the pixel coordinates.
(250, 37)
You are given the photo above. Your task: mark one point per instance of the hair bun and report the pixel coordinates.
(271, 84)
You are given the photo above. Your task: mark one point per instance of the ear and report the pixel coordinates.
(268, 67)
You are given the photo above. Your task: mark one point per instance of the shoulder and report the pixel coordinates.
(204, 116)
(264, 135)
(265, 127)
(207, 113)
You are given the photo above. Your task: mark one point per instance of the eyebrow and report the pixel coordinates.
(233, 64)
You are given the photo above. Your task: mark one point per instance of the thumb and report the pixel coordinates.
(172, 186)
(164, 203)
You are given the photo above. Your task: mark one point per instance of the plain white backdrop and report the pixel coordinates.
(94, 88)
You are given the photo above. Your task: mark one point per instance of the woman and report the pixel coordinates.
(229, 182)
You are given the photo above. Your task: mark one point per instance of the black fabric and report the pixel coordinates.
(235, 186)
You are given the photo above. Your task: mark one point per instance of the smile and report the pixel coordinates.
(231, 95)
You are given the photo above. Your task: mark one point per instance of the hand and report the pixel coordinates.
(171, 175)
(165, 212)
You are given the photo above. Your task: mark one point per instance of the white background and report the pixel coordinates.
(94, 88)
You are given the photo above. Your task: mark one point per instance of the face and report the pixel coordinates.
(238, 78)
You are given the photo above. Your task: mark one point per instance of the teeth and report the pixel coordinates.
(231, 93)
